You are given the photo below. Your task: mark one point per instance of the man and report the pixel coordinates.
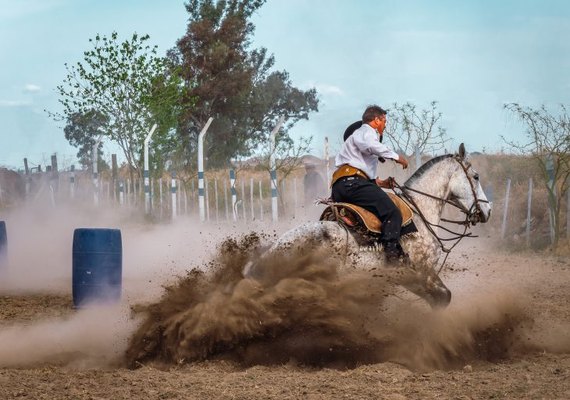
(355, 179)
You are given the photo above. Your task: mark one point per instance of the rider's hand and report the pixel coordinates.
(386, 183)
(401, 160)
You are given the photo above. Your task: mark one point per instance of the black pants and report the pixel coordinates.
(368, 195)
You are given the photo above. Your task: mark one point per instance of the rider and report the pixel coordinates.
(355, 179)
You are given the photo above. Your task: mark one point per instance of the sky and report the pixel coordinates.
(469, 56)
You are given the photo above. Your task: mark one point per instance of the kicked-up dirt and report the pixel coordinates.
(302, 333)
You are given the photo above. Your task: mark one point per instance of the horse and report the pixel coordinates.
(447, 179)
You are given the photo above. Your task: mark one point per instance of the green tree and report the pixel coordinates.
(82, 130)
(131, 86)
(548, 143)
(233, 84)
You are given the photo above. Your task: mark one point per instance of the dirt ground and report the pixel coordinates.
(478, 272)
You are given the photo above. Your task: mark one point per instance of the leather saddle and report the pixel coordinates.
(355, 217)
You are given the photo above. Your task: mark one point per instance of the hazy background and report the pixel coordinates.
(471, 57)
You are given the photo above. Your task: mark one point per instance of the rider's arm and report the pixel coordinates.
(368, 143)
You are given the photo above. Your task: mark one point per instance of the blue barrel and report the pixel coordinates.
(3, 244)
(97, 266)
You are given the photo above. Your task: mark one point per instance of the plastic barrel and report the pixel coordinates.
(3, 244)
(97, 266)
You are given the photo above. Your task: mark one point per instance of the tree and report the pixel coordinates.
(231, 83)
(410, 128)
(82, 130)
(548, 143)
(287, 155)
(129, 85)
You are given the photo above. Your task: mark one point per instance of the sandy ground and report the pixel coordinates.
(48, 350)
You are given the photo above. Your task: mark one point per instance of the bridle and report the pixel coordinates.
(471, 214)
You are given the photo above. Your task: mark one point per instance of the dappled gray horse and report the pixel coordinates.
(447, 179)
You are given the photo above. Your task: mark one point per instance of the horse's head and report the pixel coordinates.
(466, 191)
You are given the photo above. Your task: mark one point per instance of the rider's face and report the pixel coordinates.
(379, 123)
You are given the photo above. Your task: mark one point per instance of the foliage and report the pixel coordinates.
(231, 83)
(82, 131)
(410, 128)
(548, 142)
(130, 85)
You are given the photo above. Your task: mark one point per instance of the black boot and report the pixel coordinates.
(395, 255)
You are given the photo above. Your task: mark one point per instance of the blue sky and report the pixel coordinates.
(470, 56)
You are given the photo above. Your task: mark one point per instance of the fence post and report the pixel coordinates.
(94, 157)
(121, 192)
(173, 194)
(284, 197)
(54, 177)
(28, 178)
(72, 183)
(160, 195)
(549, 165)
(243, 200)
(273, 172)
(251, 198)
(185, 201)
(114, 175)
(207, 197)
(146, 172)
(201, 136)
(217, 203)
(180, 190)
(529, 206)
(260, 202)
(234, 193)
(504, 227)
(226, 201)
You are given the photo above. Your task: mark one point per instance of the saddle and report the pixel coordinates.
(354, 216)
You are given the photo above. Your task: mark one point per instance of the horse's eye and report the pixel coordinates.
(476, 177)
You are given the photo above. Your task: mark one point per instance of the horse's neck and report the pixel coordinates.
(435, 182)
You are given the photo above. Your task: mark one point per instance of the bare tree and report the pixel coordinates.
(548, 143)
(410, 128)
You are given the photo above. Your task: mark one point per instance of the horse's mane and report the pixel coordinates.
(428, 164)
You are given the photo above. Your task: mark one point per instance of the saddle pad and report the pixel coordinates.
(372, 223)
(405, 210)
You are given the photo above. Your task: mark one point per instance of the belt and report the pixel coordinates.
(347, 170)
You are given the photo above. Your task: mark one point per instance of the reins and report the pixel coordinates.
(430, 226)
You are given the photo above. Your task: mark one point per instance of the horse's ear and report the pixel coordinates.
(462, 150)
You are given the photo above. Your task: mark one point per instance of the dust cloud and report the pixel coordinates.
(93, 337)
(40, 263)
(40, 249)
(303, 311)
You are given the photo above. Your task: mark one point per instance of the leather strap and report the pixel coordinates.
(347, 170)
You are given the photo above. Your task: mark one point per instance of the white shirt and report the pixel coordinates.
(362, 149)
